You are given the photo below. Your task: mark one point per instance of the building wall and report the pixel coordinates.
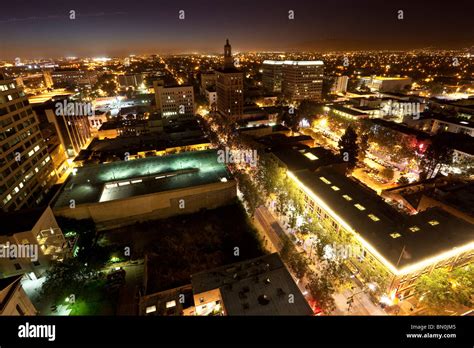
(175, 102)
(153, 206)
(207, 80)
(441, 126)
(51, 246)
(204, 300)
(25, 165)
(73, 131)
(19, 303)
(302, 81)
(340, 85)
(370, 264)
(230, 94)
(272, 76)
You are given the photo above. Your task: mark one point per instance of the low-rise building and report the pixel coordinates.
(13, 299)
(29, 241)
(259, 286)
(395, 248)
(124, 192)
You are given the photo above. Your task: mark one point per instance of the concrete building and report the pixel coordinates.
(259, 286)
(25, 164)
(30, 240)
(340, 84)
(272, 75)
(130, 80)
(13, 299)
(297, 80)
(229, 87)
(121, 193)
(208, 79)
(174, 102)
(303, 80)
(394, 248)
(72, 128)
(74, 77)
(35, 82)
(211, 97)
(386, 84)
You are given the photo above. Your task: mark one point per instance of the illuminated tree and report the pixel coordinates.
(348, 147)
(438, 154)
(442, 289)
(321, 290)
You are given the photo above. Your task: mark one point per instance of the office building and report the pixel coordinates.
(71, 124)
(208, 79)
(25, 164)
(174, 102)
(386, 84)
(230, 87)
(303, 80)
(74, 77)
(393, 248)
(272, 75)
(340, 84)
(297, 80)
(131, 80)
(259, 286)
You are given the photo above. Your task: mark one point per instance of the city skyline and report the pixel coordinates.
(237, 159)
(152, 27)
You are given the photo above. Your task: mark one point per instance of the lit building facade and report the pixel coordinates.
(25, 164)
(174, 102)
(229, 87)
(393, 249)
(13, 299)
(297, 80)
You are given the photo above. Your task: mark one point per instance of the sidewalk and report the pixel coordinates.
(362, 304)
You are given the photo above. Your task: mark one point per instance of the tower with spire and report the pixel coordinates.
(229, 86)
(228, 60)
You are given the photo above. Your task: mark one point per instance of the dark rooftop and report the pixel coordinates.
(299, 159)
(259, 286)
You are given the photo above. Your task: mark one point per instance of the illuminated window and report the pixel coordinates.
(326, 181)
(311, 156)
(433, 222)
(150, 309)
(414, 228)
(171, 304)
(347, 198)
(395, 235)
(358, 206)
(373, 217)
(335, 188)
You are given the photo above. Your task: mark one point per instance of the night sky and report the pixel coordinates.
(35, 29)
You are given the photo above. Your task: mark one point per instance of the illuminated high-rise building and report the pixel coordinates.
(297, 80)
(230, 86)
(26, 171)
(303, 80)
